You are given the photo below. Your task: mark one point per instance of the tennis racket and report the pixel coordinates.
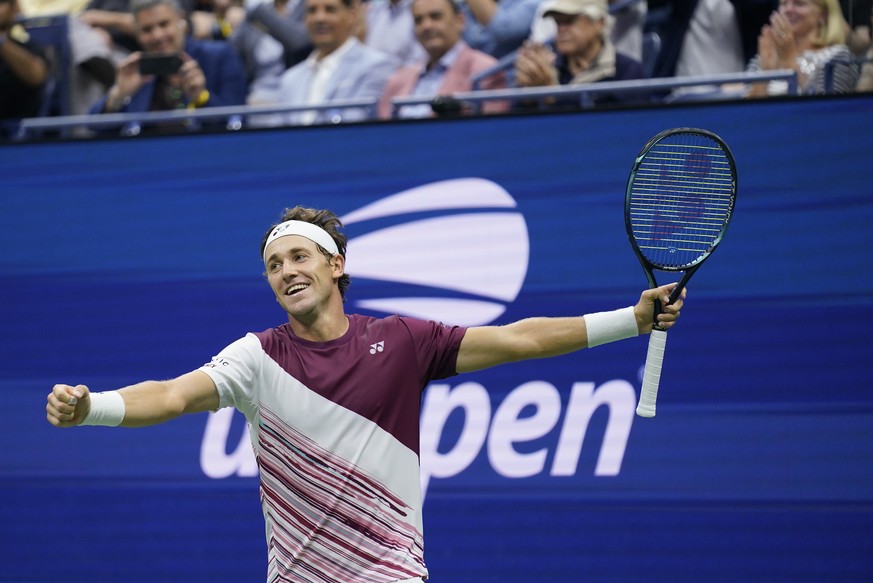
(680, 197)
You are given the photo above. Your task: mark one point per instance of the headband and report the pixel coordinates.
(312, 232)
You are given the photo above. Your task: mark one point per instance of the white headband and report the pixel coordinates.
(312, 232)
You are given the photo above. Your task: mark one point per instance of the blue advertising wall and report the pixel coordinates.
(124, 260)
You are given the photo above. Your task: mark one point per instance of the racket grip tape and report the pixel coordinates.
(652, 373)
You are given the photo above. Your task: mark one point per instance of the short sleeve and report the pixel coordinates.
(235, 372)
(436, 345)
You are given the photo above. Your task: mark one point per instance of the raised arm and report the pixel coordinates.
(146, 403)
(487, 346)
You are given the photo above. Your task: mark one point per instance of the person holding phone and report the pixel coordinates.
(173, 71)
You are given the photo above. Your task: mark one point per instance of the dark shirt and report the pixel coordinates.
(18, 100)
(225, 81)
(626, 69)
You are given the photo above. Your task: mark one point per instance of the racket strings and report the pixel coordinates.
(681, 200)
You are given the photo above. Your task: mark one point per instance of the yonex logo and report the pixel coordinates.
(458, 248)
(378, 347)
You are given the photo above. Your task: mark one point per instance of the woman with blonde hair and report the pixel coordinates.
(807, 36)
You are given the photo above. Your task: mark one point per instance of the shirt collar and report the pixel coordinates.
(332, 60)
(447, 60)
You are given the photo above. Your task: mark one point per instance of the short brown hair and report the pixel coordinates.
(325, 219)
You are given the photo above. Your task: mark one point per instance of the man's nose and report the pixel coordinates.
(288, 269)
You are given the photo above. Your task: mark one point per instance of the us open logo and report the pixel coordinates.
(462, 257)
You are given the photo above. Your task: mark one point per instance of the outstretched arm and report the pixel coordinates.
(487, 346)
(146, 403)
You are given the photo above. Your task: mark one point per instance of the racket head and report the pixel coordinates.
(680, 198)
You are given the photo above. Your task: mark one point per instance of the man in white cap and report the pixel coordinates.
(582, 51)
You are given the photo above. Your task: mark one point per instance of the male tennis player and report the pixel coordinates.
(333, 404)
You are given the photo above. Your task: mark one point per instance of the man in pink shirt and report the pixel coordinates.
(450, 66)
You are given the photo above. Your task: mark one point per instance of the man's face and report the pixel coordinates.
(437, 26)
(576, 33)
(330, 23)
(302, 278)
(160, 29)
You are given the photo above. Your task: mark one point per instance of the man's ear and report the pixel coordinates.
(338, 263)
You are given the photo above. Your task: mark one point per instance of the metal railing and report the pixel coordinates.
(474, 99)
(232, 117)
(237, 117)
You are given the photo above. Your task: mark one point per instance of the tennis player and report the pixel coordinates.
(332, 401)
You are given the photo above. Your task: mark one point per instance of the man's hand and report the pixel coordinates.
(193, 80)
(535, 66)
(645, 308)
(68, 405)
(127, 82)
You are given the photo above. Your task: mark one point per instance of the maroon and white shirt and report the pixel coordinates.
(335, 429)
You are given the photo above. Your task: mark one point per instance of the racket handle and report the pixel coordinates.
(652, 373)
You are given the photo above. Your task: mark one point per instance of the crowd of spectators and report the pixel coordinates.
(127, 56)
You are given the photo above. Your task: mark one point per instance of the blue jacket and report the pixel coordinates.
(222, 67)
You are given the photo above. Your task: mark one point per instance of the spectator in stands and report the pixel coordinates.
(498, 27)
(628, 22)
(91, 69)
(711, 37)
(388, 27)
(210, 73)
(859, 14)
(114, 19)
(23, 68)
(451, 63)
(271, 38)
(340, 67)
(583, 52)
(805, 35)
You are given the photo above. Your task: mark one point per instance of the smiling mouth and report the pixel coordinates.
(296, 288)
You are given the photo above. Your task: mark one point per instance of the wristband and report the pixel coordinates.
(106, 409)
(605, 327)
(202, 99)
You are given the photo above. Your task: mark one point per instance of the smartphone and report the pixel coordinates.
(160, 64)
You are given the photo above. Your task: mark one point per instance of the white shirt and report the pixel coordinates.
(323, 71)
(390, 29)
(713, 44)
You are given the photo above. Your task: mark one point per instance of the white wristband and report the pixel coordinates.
(106, 409)
(604, 327)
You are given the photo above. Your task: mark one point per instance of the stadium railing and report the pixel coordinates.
(231, 117)
(237, 117)
(474, 99)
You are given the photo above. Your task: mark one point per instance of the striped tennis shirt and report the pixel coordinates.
(335, 429)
